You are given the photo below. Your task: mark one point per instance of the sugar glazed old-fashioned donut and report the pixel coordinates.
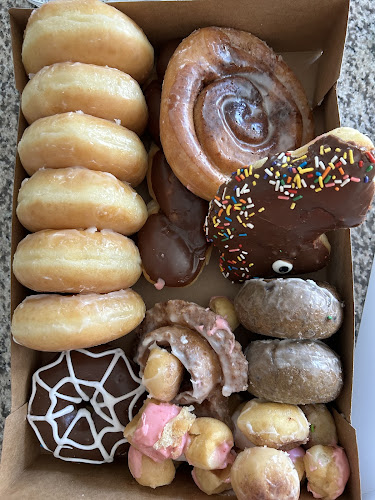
(82, 401)
(204, 344)
(278, 209)
(289, 308)
(228, 100)
(86, 31)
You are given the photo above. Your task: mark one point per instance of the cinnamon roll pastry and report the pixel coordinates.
(202, 341)
(227, 101)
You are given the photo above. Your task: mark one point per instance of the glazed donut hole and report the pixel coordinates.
(149, 473)
(296, 455)
(209, 445)
(276, 425)
(225, 308)
(322, 425)
(212, 482)
(162, 375)
(264, 473)
(327, 471)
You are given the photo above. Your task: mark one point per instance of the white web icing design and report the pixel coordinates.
(109, 402)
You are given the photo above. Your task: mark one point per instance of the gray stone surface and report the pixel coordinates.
(356, 91)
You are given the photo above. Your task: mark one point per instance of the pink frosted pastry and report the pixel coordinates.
(159, 430)
(209, 444)
(327, 471)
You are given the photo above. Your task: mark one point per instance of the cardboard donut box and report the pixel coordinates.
(310, 35)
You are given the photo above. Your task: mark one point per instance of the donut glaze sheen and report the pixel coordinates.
(290, 308)
(228, 100)
(73, 261)
(75, 139)
(86, 31)
(78, 198)
(82, 401)
(52, 322)
(172, 243)
(96, 90)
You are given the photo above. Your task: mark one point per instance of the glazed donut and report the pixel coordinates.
(51, 322)
(68, 198)
(96, 90)
(276, 425)
(212, 482)
(264, 473)
(71, 261)
(327, 471)
(81, 402)
(294, 371)
(289, 308)
(322, 425)
(296, 455)
(86, 31)
(172, 243)
(279, 208)
(209, 444)
(228, 100)
(75, 139)
(162, 375)
(214, 331)
(149, 473)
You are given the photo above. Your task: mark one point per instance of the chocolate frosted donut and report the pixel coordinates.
(270, 217)
(228, 100)
(172, 243)
(81, 403)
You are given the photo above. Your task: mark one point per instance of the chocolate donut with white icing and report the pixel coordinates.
(81, 403)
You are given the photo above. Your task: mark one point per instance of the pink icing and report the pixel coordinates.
(223, 454)
(150, 428)
(298, 452)
(221, 324)
(135, 462)
(159, 285)
(342, 464)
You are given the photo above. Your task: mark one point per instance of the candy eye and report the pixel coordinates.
(282, 266)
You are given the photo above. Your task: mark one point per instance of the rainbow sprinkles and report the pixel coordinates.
(329, 172)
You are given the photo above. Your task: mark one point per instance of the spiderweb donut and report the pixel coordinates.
(81, 403)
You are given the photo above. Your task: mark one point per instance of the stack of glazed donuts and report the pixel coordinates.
(84, 107)
(222, 107)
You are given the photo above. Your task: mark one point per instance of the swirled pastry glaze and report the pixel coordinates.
(228, 100)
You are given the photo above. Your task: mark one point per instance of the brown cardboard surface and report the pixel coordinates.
(311, 37)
